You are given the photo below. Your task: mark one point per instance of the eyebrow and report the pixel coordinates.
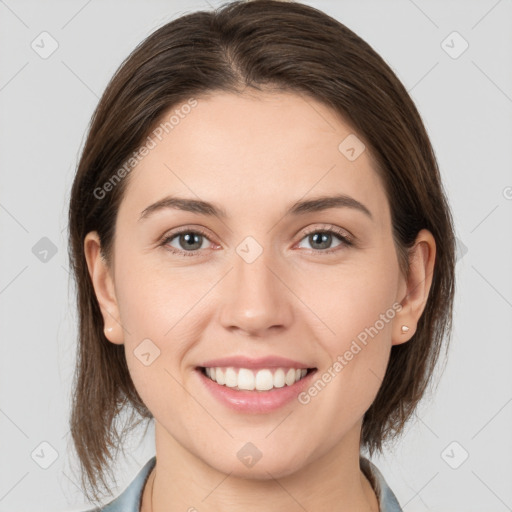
(298, 208)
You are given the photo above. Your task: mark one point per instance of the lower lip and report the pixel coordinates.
(255, 401)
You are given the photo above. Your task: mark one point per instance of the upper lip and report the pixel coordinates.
(249, 362)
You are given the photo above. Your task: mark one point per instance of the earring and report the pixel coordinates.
(109, 329)
(405, 329)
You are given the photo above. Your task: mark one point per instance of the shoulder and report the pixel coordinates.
(387, 500)
(129, 499)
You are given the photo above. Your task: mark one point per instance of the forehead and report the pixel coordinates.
(252, 153)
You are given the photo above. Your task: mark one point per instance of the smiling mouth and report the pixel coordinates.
(265, 379)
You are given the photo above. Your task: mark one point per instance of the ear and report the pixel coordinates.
(103, 283)
(416, 286)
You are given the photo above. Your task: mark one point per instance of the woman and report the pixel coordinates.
(264, 259)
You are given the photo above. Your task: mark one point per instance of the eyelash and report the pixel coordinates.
(344, 238)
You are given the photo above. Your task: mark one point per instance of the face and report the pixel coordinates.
(262, 287)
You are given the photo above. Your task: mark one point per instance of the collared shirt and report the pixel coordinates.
(130, 499)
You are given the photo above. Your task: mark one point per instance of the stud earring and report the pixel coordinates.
(109, 329)
(405, 329)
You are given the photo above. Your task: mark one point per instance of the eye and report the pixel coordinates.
(189, 241)
(321, 239)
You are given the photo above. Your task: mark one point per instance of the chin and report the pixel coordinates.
(266, 467)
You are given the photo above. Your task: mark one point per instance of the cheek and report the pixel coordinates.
(162, 316)
(359, 306)
(356, 357)
(366, 306)
(154, 302)
(159, 334)
(353, 299)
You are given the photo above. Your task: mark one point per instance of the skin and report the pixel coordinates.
(255, 154)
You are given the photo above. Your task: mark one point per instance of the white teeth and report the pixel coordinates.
(260, 380)
(290, 377)
(264, 380)
(279, 378)
(231, 378)
(220, 376)
(245, 379)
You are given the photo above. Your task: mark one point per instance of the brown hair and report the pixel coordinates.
(261, 44)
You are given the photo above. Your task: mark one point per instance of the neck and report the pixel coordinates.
(181, 481)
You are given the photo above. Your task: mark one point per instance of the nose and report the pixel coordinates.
(256, 298)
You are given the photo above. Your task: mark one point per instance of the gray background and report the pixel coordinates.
(466, 103)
